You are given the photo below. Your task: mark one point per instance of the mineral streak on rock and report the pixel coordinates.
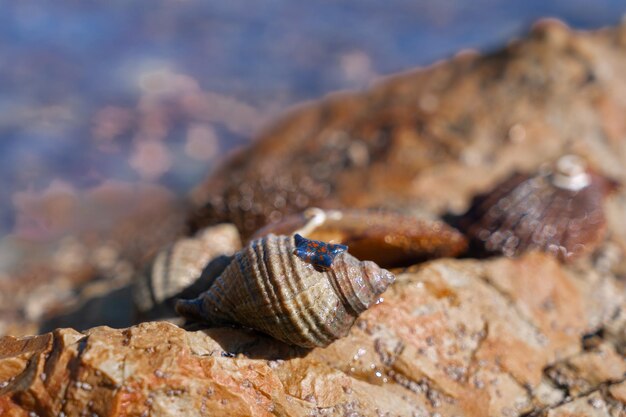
(434, 137)
(391, 239)
(453, 337)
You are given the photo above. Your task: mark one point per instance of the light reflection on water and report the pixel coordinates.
(157, 91)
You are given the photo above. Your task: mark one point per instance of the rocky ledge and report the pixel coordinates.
(452, 338)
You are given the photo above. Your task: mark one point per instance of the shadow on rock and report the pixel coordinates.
(250, 343)
(145, 294)
(114, 309)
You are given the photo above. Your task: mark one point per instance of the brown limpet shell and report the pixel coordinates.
(391, 239)
(560, 211)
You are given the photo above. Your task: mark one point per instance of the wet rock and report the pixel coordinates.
(592, 405)
(450, 337)
(618, 393)
(582, 372)
(431, 139)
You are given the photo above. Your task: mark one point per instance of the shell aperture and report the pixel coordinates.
(267, 288)
(319, 254)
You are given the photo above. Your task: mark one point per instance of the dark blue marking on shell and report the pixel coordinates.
(319, 254)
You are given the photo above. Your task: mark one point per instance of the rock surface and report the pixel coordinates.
(431, 139)
(454, 337)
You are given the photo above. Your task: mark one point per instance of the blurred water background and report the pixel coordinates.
(98, 96)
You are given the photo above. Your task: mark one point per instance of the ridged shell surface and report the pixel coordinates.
(268, 288)
(560, 212)
(181, 264)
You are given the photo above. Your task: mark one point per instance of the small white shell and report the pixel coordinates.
(570, 173)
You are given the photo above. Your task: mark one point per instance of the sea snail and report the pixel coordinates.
(559, 211)
(268, 288)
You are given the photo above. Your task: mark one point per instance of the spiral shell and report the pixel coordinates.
(185, 266)
(560, 211)
(268, 288)
(388, 238)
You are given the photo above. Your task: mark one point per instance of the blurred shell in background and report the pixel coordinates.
(560, 211)
(188, 265)
(391, 239)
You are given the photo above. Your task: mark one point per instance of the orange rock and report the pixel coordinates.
(618, 392)
(433, 138)
(463, 338)
(593, 405)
